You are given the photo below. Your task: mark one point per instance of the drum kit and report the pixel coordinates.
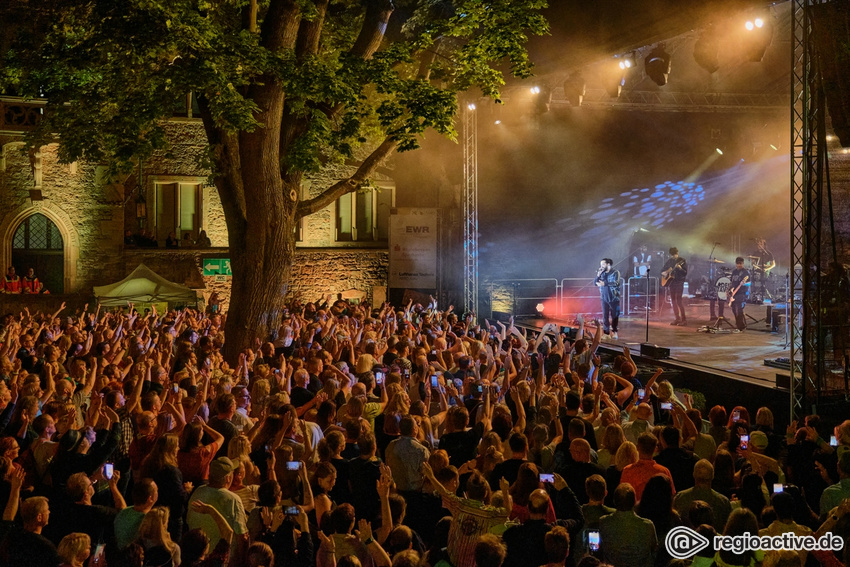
(716, 285)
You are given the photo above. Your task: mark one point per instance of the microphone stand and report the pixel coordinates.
(648, 305)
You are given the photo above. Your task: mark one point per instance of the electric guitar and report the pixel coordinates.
(667, 275)
(740, 285)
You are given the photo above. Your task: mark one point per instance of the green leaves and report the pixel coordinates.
(113, 71)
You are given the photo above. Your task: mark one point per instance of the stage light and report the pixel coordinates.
(498, 122)
(706, 51)
(626, 62)
(757, 41)
(535, 90)
(470, 106)
(540, 308)
(575, 88)
(657, 65)
(775, 148)
(718, 150)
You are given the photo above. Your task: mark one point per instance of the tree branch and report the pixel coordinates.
(310, 31)
(374, 27)
(280, 26)
(337, 190)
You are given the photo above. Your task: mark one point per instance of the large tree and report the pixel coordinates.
(285, 88)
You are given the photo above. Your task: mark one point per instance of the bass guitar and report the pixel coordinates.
(740, 285)
(667, 275)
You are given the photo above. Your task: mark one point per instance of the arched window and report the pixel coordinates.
(37, 233)
(38, 244)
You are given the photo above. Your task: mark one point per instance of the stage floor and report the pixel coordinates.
(741, 355)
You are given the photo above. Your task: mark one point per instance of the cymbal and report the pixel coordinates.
(716, 261)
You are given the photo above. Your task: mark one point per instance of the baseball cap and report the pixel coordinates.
(220, 468)
(759, 440)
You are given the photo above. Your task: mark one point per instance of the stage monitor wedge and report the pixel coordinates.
(654, 351)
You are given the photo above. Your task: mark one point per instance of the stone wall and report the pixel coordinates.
(92, 211)
(88, 213)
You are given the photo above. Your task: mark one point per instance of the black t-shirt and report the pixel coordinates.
(300, 396)
(508, 470)
(226, 428)
(461, 445)
(26, 549)
(736, 279)
(363, 477)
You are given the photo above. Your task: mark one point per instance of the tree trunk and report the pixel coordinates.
(262, 238)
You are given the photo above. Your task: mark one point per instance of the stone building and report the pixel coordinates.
(69, 221)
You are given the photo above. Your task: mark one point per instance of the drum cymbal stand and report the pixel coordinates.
(719, 323)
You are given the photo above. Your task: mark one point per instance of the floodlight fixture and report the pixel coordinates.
(657, 65)
(470, 106)
(575, 88)
(706, 51)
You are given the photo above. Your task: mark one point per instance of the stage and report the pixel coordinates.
(723, 365)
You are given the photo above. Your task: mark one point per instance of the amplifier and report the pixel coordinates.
(654, 351)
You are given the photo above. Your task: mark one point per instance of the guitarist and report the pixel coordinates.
(673, 276)
(739, 288)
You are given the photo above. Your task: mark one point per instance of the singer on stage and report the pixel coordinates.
(608, 282)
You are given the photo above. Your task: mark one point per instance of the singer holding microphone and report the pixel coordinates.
(608, 282)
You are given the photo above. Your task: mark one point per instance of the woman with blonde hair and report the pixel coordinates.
(611, 441)
(161, 466)
(74, 549)
(627, 454)
(153, 536)
(259, 396)
(239, 451)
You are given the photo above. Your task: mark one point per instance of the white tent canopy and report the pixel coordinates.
(144, 285)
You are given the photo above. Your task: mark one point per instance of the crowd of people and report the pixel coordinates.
(376, 437)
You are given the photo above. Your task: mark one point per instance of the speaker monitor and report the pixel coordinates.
(654, 351)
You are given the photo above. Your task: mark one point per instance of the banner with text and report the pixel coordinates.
(413, 248)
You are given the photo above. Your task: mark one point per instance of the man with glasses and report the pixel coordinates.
(241, 418)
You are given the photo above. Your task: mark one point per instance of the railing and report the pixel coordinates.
(19, 116)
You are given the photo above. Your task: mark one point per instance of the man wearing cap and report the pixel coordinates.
(228, 504)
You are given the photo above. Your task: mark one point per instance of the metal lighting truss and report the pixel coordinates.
(470, 209)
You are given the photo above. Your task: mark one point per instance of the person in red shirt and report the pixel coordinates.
(639, 473)
(12, 282)
(30, 283)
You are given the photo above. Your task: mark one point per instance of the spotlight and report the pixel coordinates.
(657, 65)
(542, 98)
(575, 88)
(774, 147)
(757, 41)
(540, 308)
(535, 90)
(706, 51)
(626, 62)
(470, 106)
(498, 122)
(718, 150)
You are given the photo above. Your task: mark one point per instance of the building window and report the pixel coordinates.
(178, 210)
(364, 215)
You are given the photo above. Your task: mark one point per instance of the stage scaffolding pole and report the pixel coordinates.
(808, 155)
(470, 208)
